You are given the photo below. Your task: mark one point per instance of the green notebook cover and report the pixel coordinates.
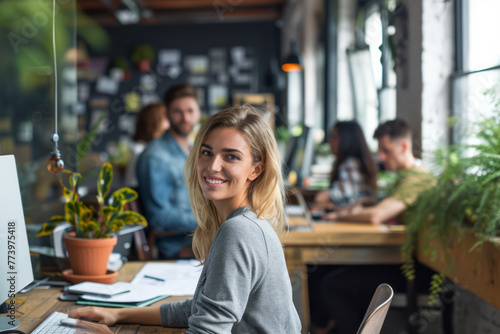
(108, 304)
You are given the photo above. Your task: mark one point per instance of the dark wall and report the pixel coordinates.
(262, 39)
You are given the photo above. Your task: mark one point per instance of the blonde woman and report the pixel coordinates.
(236, 192)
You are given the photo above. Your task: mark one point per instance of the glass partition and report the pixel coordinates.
(27, 93)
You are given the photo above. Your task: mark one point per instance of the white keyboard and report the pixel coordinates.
(52, 325)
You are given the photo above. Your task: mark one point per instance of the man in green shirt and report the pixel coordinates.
(395, 152)
(340, 285)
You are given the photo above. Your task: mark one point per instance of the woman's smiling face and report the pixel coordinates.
(226, 167)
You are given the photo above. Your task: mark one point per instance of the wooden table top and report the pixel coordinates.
(36, 305)
(343, 234)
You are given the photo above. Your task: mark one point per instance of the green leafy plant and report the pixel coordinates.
(466, 196)
(322, 149)
(121, 63)
(282, 134)
(143, 52)
(97, 223)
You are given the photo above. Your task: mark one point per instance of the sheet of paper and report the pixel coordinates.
(105, 290)
(176, 279)
(137, 294)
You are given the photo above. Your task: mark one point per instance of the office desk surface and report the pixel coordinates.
(344, 234)
(38, 304)
(336, 243)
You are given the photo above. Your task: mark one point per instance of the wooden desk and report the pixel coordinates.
(38, 304)
(336, 243)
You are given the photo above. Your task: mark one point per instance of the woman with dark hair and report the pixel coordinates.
(151, 123)
(354, 175)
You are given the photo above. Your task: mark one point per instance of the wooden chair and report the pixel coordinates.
(377, 310)
(145, 242)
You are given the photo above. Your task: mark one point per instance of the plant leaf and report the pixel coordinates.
(132, 217)
(48, 228)
(73, 179)
(104, 181)
(122, 196)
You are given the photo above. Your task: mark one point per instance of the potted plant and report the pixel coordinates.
(143, 55)
(92, 239)
(120, 68)
(323, 154)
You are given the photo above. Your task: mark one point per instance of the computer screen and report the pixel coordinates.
(299, 155)
(15, 262)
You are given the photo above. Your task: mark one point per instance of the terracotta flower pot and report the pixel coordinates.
(88, 256)
(144, 65)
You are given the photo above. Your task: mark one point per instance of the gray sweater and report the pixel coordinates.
(244, 286)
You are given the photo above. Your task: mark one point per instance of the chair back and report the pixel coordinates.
(377, 310)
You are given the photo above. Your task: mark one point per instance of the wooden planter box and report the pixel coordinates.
(478, 270)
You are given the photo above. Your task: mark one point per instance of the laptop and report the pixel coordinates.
(300, 210)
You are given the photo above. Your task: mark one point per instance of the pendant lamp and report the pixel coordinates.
(293, 62)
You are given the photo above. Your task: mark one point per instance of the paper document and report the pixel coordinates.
(137, 293)
(176, 279)
(99, 289)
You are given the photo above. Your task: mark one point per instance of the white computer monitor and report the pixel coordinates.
(15, 261)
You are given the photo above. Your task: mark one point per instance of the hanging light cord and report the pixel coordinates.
(55, 137)
(56, 164)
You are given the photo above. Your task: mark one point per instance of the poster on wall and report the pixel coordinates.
(217, 60)
(132, 102)
(147, 82)
(126, 123)
(106, 85)
(169, 63)
(149, 98)
(97, 67)
(197, 80)
(167, 57)
(217, 96)
(196, 64)
(243, 71)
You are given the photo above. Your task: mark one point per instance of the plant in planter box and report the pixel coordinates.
(121, 64)
(466, 196)
(93, 229)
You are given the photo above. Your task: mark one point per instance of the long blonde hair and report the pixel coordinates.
(265, 194)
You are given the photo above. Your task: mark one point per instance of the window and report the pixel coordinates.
(478, 64)
(371, 69)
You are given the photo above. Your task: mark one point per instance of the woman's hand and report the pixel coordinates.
(107, 316)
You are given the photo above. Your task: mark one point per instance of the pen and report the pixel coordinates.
(155, 278)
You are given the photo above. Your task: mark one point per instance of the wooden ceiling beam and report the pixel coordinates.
(96, 4)
(182, 4)
(178, 4)
(163, 17)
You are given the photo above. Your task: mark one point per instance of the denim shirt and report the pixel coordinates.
(163, 191)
